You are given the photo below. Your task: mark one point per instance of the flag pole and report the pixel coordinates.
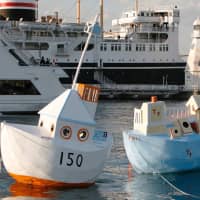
(83, 53)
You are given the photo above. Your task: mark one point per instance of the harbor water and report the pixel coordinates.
(118, 180)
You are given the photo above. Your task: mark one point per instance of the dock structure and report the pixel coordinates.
(116, 91)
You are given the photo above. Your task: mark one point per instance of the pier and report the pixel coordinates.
(117, 91)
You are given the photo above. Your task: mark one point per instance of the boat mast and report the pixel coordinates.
(90, 32)
(136, 6)
(101, 14)
(37, 11)
(78, 11)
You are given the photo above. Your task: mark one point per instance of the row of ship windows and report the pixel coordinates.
(17, 87)
(138, 47)
(56, 33)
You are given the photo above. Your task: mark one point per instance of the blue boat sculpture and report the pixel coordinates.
(164, 140)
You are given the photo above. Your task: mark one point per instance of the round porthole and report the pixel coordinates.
(176, 131)
(185, 124)
(83, 134)
(66, 132)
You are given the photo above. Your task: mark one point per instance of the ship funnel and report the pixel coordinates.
(18, 9)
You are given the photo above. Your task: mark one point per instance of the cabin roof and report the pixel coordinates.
(68, 107)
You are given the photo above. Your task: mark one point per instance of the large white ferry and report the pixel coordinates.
(140, 52)
(24, 86)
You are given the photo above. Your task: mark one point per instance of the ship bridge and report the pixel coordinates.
(148, 16)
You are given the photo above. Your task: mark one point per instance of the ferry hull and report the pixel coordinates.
(129, 75)
(44, 162)
(160, 154)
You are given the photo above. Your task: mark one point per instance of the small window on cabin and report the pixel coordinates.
(197, 27)
(32, 46)
(81, 46)
(105, 47)
(44, 46)
(167, 48)
(60, 48)
(101, 47)
(137, 47)
(112, 47)
(130, 48)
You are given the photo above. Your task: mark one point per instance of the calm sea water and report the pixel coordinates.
(117, 181)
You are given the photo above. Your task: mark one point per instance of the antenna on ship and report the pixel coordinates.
(37, 10)
(90, 32)
(136, 6)
(101, 15)
(78, 12)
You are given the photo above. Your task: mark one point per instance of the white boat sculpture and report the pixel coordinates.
(64, 149)
(164, 141)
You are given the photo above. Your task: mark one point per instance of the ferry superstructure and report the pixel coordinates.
(24, 86)
(141, 48)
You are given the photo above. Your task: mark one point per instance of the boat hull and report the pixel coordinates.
(160, 154)
(39, 160)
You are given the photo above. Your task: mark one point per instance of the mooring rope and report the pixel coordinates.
(176, 188)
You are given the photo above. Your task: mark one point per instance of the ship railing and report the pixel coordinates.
(151, 30)
(55, 39)
(12, 35)
(140, 87)
(174, 113)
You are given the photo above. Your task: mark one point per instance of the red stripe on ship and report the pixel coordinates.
(20, 4)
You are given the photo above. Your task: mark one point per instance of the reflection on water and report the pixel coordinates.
(118, 181)
(20, 190)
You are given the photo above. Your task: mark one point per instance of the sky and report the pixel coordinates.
(190, 10)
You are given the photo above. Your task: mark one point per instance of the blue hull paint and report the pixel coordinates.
(160, 154)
